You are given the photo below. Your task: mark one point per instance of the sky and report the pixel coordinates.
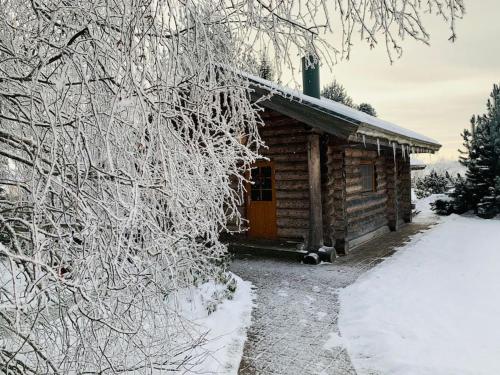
(433, 89)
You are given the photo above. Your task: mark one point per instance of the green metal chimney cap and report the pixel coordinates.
(310, 78)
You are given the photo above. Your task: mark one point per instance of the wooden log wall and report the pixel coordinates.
(365, 211)
(286, 139)
(350, 213)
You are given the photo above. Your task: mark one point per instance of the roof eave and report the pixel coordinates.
(306, 113)
(423, 145)
(329, 121)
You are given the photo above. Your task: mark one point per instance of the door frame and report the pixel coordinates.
(248, 186)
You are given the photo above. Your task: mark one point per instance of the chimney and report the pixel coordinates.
(310, 78)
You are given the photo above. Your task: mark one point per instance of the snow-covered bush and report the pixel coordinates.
(123, 122)
(433, 183)
(442, 207)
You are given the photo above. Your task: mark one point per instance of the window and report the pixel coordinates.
(367, 177)
(262, 188)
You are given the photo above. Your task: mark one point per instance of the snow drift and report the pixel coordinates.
(432, 308)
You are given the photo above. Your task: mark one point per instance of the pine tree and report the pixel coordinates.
(460, 196)
(368, 109)
(433, 183)
(266, 70)
(337, 92)
(481, 189)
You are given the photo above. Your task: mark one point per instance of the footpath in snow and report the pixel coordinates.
(433, 307)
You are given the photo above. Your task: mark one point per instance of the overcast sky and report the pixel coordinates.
(432, 89)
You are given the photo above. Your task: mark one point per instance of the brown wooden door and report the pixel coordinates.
(261, 202)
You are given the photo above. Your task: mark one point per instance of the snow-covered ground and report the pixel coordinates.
(433, 307)
(226, 327)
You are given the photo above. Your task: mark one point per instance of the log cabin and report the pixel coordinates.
(333, 176)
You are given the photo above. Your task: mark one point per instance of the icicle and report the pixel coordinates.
(378, 146)
(403, 151)
(364, 140)
(394, 150)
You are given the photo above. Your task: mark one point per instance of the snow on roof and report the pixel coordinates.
(417, 165)
(417, 162)
(369, 125)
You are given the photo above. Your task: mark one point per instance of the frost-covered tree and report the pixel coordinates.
(367, 108)
(123, 122)
(336, 91)
(4, 173)
(481, 189)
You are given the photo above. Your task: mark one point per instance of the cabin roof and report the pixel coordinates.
(336, 118)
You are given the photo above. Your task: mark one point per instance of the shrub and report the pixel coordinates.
(442, 207)
(433, 183)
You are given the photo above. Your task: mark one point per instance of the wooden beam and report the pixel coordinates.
(406, 190)
(392, 192)
(315, 238)
(307, 113)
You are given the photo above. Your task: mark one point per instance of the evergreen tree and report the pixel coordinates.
(481, 189)
(337, 92)
(433, 183)
(266, 70)
(368, 109)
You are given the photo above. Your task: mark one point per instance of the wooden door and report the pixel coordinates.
(261, 202)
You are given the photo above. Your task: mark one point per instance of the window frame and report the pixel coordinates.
(258, 188)
(370, 163)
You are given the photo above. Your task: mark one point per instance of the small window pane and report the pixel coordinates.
(262, 184)
(367, 177)
(267, 195)
(267, 183)
(266, 171)
(255, 176)
(255, 194)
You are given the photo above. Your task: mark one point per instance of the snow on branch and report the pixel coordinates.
(122, 162)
